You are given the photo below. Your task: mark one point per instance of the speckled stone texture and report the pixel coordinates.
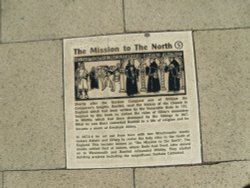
(25, 20)
(1, 180)
(112, 178)
(151, 15)
(223, 62)
(32, 132)
(31, 106)
(226, 175)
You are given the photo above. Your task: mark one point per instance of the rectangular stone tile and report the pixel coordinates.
(112, 178)
(151, 15)
(31, 106)
(25, 20)
(223, 62)
(224, 175)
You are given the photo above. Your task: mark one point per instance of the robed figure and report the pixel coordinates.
(174, 76)
(93, 79)
(82, 81)
(108, 79)
(153, 77)
(131, 81)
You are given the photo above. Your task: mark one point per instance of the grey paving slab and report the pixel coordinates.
(151, 15)
(31, 106)
(25, 20)
(223, 62)
(226, 175)
(112, 178)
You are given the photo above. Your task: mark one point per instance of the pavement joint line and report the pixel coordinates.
(134, 182)
(124, 16)
(123, 168)
(64, 108)
(2, 180)
(127, 32)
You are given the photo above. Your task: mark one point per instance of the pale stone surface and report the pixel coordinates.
(112, 178)
(224, 175)
(223, 62)
(25, 20)
(0, 21)
(151, 15)
(1, 180)
(31, 106)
